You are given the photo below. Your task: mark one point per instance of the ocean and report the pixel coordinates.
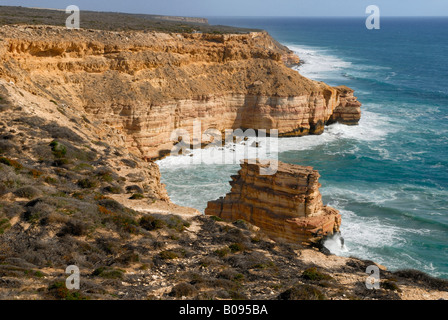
(388, 176)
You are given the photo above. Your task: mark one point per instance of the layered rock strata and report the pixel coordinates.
(286, 205)
(349, 109)
(147, 84)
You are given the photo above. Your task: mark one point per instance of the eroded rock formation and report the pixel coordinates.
(349, 109)
(286, 205)
(146, 84)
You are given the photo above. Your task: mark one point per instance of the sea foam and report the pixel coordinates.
(318, 63)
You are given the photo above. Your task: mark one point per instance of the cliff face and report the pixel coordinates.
(83, 149)
(145, 85)
(286, 205)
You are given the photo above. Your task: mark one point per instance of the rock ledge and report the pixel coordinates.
(286, 206)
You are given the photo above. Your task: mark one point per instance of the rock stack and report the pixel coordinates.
(286, 205)
(349, 109)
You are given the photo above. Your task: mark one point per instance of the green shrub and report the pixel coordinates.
(137, 196)
(232, 275)
(129, 257)
(59, 150)
(82, 166)
(99, 196)
(235, 295)
(183, 290)
(35, 173)
(259, 266)
(113, 189)
(255, 239)
(74, 228)
(150, 223)
(78, 195)
(125, 223)
(87, 183)
(239, 277)
(208, 261)
(176, 222)
(222, 252)
(61, 162)
(12, 163)
(4, 224)
(108, 273)
(170, 254)
(423, 279)
(106, 175)
(32, 217)
(122, 221)
(39, 274)
(60, 194)
(27, 192)
(314, 275)
(114, 206)
(237, 247)
(60, 291)
(390, 285)
(241, 224)
(302, 292)
(215, 218)
(144, 267)
(133, 189)
(50, 180)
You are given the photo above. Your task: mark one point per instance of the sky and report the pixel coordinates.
(210, 8)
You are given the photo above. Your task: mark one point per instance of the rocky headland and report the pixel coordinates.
(82, 112)
(147, 84)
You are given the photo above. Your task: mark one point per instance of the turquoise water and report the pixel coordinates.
(388, 176)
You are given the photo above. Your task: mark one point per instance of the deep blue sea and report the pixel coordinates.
(389, 175)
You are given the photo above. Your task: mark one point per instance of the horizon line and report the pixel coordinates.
(311, 16)
(240, 16)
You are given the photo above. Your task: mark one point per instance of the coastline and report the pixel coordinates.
(375, 129)
(81, 184)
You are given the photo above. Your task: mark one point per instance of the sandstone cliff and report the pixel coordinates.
(286, 205)
(146, 84)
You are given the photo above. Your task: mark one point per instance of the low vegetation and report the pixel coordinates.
(302, 292)
(314, 275)
(111, 21)
(108, 273)
(59, 291)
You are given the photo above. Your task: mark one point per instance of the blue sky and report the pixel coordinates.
(206, 8)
